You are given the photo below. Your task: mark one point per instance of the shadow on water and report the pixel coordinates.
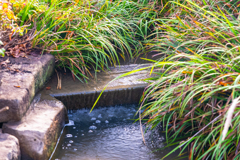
(108, 133)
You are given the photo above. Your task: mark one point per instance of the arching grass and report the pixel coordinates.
(200, 83)
(89, 34)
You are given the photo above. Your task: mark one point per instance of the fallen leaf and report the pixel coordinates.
(16, 70)
(47, 88)
(17, 86)
(5, 62)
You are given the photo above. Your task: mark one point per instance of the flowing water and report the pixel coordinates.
(109, 133)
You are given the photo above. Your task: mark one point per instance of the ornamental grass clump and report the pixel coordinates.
(86, 35)
(196, 88)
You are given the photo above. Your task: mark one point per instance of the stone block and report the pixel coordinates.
(20, 79)
(39, 129)
(9, 147)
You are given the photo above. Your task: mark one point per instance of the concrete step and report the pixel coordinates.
(39, 129)
(20, 79)
(76, 95)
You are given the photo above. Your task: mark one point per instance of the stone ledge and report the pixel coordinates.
(39, 130)
(9, 147)
(19, 82)
(77, 95)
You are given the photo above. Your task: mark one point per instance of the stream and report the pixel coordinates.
(109, 133)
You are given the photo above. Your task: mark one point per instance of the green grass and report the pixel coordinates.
(191, 98)
(85, 35)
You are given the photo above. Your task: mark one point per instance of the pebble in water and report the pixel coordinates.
(92, 127)
(70, 141)
(93, 119)
(75, 149)
(74, 127)
(90, 131)
(68, 135)
(68, 145)
(83, 134)
(75, 136)
(97, 121)
(106, 121)
(100, 116)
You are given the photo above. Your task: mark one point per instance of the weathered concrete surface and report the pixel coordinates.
(9, 147)
(76, 95)
(20, 79)
(39, 129)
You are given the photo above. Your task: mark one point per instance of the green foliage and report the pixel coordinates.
(199, 79)
(2, 52)
(86, 35)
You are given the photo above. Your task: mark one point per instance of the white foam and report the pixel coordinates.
(97, 121)
(92, 127)
(93, 119)
(68, 135)
(71, 123)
